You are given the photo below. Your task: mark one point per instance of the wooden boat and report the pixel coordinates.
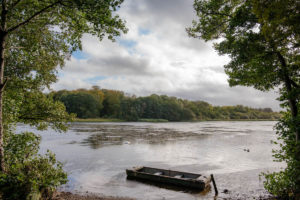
(181, 179)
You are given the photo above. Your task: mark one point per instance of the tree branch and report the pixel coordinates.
(15, 4)
(14, 47)
(294, 84)
(2, 86)
(284, 64)
(33, 16)
(64, 3)
(3, 16)
(216, 13)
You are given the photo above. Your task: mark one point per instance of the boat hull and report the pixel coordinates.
(170, 177)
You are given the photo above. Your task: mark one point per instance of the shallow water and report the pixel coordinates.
(97, 154)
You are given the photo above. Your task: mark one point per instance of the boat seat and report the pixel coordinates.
(201, 178)
(158, 173)
(179, 176)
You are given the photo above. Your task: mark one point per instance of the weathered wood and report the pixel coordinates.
(182, 179)
(214, 183)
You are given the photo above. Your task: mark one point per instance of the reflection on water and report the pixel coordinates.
(97, 154)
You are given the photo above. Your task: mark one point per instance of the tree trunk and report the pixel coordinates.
(294, 111)
(3, 35)
(2, 50)
(291, 99)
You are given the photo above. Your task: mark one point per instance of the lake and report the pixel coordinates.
(95, 155)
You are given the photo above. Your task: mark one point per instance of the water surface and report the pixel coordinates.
(97, 154)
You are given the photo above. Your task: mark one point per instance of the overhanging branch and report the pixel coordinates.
(3, 16)
(15, 4)
(294, 84)
(33, 16)
(2, 86)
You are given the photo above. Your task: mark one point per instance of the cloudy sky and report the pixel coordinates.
(157, 56)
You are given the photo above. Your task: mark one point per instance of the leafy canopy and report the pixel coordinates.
(252, 33)
(41, 35)
(36, 37)
(262, 38)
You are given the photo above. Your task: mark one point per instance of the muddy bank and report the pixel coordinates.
(96, 156)
(71, 196)
(106, 135)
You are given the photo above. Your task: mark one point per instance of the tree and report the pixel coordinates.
(84, 105)
(112, 103)
(99, 95)
(36, 37)
(128, 109)
(262, 41)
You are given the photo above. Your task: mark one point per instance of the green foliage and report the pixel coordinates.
(83, 104)
(111, 103)
(283, 183)
(29, 173)
(250, 39)
(128, 109)
(115, 104)
(31, 60)
(37, 37)
(262, 41)
(99, 120)
(153, 120)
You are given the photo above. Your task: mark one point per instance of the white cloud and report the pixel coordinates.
(163, 60)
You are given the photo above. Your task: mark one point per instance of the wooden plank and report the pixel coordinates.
(170, 177)
(215, 186)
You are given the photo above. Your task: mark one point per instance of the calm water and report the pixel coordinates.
(97, 154)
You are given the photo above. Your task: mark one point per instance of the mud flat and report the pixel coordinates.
(96, 155)
(71, 196)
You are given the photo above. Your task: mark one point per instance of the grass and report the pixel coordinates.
(162, 120)
(99, 120)
(116, 120)
(153, 120)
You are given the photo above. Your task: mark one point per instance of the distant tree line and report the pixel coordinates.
(103, 103)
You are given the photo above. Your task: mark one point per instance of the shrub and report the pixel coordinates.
(284, 184)
(29, 175)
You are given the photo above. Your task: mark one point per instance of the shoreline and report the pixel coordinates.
(164, 120)
(89, 196)
(234, 192)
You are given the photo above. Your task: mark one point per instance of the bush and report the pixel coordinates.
(281, 184)
(285, 184)
(29, 175)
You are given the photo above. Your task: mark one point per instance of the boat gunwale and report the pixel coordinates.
(136, 170)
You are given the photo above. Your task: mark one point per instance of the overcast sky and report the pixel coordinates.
(157, 56)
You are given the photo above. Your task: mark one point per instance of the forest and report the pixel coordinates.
(104, 103)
